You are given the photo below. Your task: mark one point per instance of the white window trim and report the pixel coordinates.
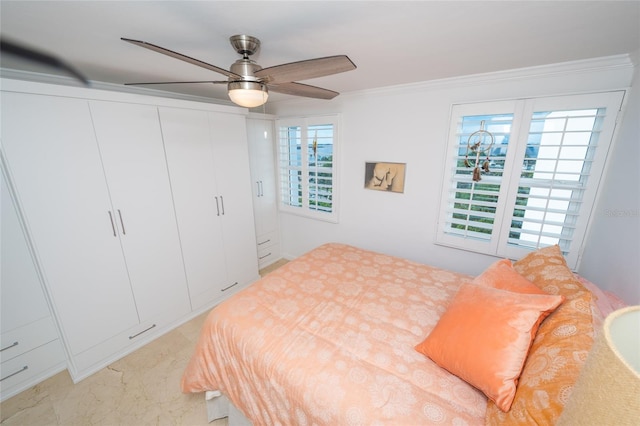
(522, 110)
(305, 122)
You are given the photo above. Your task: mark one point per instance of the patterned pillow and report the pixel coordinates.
(548, 270)
(559, 349)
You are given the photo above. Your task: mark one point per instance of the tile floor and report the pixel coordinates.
(140, 389)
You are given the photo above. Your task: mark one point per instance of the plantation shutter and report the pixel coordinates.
(306, 164)
(544, 169)
(470, 213)
(473, 204)
(554, 174)
(290, 165)
(555, 179)
(320, 160)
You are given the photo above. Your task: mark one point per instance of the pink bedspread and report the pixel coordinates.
(329, 339)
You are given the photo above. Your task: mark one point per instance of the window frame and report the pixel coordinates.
(498, 244)
(304, 122)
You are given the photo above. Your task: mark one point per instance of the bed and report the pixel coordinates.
(343, 335)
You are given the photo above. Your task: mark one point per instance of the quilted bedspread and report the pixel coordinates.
(329, 339)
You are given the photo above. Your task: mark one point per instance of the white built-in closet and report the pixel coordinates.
(138, 209)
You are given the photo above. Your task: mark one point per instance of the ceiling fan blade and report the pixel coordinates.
(305, 70)
(33, 55)
(182, 57)
(299, 89)
(177, 82)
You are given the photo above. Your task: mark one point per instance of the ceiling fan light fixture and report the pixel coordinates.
(248, 94)
(247, 81)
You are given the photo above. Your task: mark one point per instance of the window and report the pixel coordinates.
(544, 168)
(307, 152)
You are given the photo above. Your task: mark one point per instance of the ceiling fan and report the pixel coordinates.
(40, 57)
(248, 83)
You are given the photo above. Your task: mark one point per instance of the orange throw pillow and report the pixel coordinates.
(501, 275)
(559, 349)
(485, 335)
(548, 270)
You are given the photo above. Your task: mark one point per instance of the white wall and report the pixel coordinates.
(410, 124)
(612, 253)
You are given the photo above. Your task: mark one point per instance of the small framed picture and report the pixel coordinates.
(384, 176)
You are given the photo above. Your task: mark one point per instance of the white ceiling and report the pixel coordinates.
(391, 42)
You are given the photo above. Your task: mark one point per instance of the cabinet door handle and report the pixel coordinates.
(17, 372)
(261, 189)
(143, 331)
(121, 222)
(258, 188)
(217, 206)
(9, 347)
(113, 226)
(222, 204)
(227, 288)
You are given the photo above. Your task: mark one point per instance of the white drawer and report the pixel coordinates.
(267, 240)
(268, 255)
(85, 363)
(31, 368)
(23, 339)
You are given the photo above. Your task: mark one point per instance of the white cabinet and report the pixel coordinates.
(263, 177)
(193, 180)
(139, 217)
(92, 183)
(52, 154)
(130, 142)
(229, 136)
(30, 349)
(208, 167)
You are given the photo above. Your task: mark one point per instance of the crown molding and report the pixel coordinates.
(608, 63)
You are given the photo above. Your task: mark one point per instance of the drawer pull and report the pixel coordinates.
(266, 255)
(121, 222)
(143, 331)
(10, 346)
(264, 242)
(227, 288)
(17, 372)
(112, 224)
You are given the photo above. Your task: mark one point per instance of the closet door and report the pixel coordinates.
(231, 160)
(130, 143)
(263, 173)
(30, 349)
(21, 297)
(190, 160)
(261, 152)
(55, 165)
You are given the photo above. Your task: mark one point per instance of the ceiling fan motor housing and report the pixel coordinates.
(245, 68)
(244, 44)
